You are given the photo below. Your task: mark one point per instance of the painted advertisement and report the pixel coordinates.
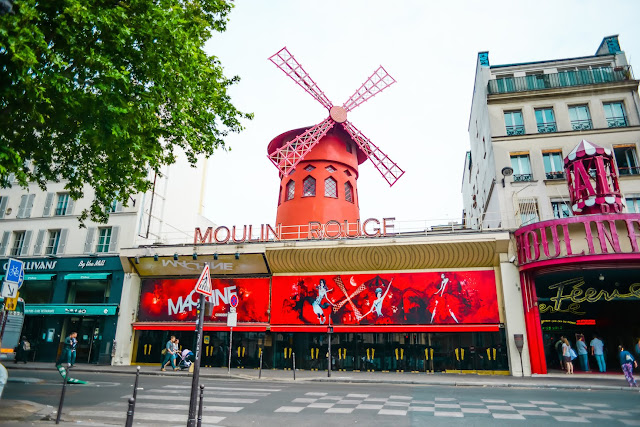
(176, 300)
(461, 297)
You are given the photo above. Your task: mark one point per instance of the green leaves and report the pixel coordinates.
(102, 94)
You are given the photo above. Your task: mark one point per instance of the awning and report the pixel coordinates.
(190, 326)
(87, 276)
(71, 309)
(387, 328)
(38, 276)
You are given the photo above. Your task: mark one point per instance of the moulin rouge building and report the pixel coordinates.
(433, 300)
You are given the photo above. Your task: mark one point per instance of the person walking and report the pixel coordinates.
(583, 354)
(22, 350)
(558, 347)
(597, 351)
(169, 354)
(628, 363)
(566, 355)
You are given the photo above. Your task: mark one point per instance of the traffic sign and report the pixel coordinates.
(15, 271)
(10, 304)
(232, 319)
(233, 301)
(203, 285)
(10, 290)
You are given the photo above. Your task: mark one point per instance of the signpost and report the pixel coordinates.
(232, 320)
(203, 287)
(13, 280)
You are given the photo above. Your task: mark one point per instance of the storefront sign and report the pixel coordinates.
(71, 309)
(219, 265)
(461, 297)
(176, 299)
(603, 234)
(313, 230)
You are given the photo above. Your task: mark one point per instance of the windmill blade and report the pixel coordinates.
(287, 157)
(376, 83)
(292, 68)
(388, 168)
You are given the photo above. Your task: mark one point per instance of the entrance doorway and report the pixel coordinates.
(89, 331)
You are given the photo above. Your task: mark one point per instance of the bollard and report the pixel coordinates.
(294, 366)
(260, 370)
(130, 410)
(135, 385)
(64, 388)
(199, 423)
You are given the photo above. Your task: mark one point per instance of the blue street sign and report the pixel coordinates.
(15, 271)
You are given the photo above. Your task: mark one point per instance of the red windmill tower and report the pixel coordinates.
(319, 164)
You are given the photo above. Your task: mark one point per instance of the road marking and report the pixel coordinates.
(145, 416)
(422, 409)
(407, 398)
(185, 398)
(291, 409)
(494, 401)
(474, 411)
(304, 400)
(216, 392)
(179, 407)
(339, 411)
(357, 395)
(226, 388)
(509, 416)
(449, 414)
(321, 405)
(392, 412)
(316, 394)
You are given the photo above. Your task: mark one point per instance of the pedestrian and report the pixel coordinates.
(597, 351)
(637, 348)
(169, 354)
(68, 355)
(628, 363)
(566, 355)
(22, 350)
(583, 354)
(558, 347)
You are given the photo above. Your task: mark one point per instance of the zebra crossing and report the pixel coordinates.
(169, 405)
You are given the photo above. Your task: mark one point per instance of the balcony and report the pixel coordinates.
(515, 130)
(560, 80)
(554, 175)
(616, 122)
(548, 127)
(581, 124)
(523, 177)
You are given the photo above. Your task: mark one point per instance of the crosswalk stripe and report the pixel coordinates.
(185, 398)
(225, 388)
(205, 408)
(145, 416)
(217, 392)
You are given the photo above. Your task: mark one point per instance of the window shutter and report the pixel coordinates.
(27, 213)
(23, 205)
(48, 204)
(4, 242)
(119, 206)
(113, 242)
(3, 205)
(70, 206)
(37, 249)
(26, 243)
(62, 244)
(88, 244)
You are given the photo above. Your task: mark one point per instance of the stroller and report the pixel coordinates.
(186, 359)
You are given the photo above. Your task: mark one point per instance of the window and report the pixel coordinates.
(3, 205)
(26, 205)
(279, 196)
(18, 243)
(633, 204)
(330, 188)
(513, 122)
(580, 117)
(626, 159)
(545, 120)
(348, 192)
(560, 210)
(553, 168)
(104, 239)
(37, 291)
(291, 189)
(614, 113)
(348, 146)
(330, 169)
(62, 207)
(528, 211)
(52, 242)
(309, 168)
(521, 167)
(309, 187)
(88, 292)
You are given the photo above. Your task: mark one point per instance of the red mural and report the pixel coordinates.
(467, 297)
(175, 299)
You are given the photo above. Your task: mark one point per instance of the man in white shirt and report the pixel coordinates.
(597, 351)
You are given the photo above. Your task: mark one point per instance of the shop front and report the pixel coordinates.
(64, 295)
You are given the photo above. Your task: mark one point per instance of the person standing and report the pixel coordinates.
(22, 350)
(566, 355)
(597, 351)
(628, 363)
(583, 355)
(558, 347)
(169, 354)
(68, 355)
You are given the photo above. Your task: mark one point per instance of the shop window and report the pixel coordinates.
(330, 188)
(633, 204)
(521, 167)
(37, 291)
(348, 192)
(88, 292)
(627, 159)
(546, 120)
(580, 117)
(291, 189)
(553, 164)
(513, 123)
(560, 210)
(309, 187)
(615, 115)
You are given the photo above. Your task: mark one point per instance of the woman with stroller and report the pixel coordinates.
(169, 354)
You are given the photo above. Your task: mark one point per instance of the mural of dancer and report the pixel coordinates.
(318, 305)
(376, 306)
(441, 302)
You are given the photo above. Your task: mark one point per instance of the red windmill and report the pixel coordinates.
(325, 154)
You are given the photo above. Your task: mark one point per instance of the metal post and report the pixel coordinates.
(64, 389)
(4, 322)
(200, 405)
(191, 422)
(294, 366)
(130, 410)
(230, 349)
(260, 370)
(329, 331)
(135, 385)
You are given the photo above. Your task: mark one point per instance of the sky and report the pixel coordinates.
(421, 122)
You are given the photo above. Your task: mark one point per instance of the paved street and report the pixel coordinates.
(165, 399)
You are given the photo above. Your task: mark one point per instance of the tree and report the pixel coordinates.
(103, 93)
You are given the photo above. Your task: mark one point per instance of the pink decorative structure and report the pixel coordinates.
(593, 183)
(292, 152)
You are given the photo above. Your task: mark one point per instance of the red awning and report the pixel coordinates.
(385, 328)
(191, 326)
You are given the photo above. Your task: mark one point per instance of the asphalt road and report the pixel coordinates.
(164, 400)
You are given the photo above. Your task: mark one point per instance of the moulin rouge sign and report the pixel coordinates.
(313, 231)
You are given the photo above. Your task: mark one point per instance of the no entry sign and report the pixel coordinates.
(233, 301)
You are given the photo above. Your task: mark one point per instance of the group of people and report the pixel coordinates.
(172, 351)
(567, 355)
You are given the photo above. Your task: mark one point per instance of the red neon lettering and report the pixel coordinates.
(244, 234)
(556, 241)
(386, 225)
(611, 236)
(328, 228)
(315, 230)
(631, 230)
(198, 236)
(375, 229)
(215, 235)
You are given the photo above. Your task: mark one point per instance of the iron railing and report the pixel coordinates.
(554, 175)
(558, 80)
(581, 124)
(616, 122)
(515, 130)
(523, 177)
(547, 127)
